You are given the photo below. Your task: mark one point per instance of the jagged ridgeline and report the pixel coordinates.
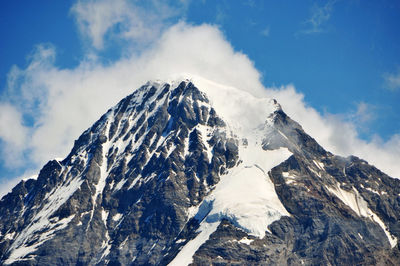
(192, 171)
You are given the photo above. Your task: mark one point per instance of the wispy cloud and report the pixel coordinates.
(363, 116)
(320, 16)
(124, 19)
(392, 80)
(221, 15)
(265, 32)
(250, 3)
(365, 113)
(13, 134)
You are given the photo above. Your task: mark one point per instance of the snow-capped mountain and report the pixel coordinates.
(191, 171)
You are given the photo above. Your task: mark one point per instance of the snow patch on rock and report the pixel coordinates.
(357, 203)
(246, 196)
(185, 256)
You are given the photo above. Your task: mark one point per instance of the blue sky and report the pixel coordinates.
(341, 57)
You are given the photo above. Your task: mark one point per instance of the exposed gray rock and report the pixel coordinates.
(123, 193)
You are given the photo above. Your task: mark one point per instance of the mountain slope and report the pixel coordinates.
(193, 171)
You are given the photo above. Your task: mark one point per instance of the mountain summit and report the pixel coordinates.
(192, 171)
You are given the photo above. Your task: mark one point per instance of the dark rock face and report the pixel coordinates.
(123, 194)
(135, 173)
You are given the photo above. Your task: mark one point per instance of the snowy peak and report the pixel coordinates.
(191, 171)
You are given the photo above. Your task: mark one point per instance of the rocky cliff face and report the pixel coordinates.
(175, 174)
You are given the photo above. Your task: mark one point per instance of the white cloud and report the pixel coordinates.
(392, 80)
(96, 18)
(12, 133)
(64, 102)
(11, 128)
(140, 22)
